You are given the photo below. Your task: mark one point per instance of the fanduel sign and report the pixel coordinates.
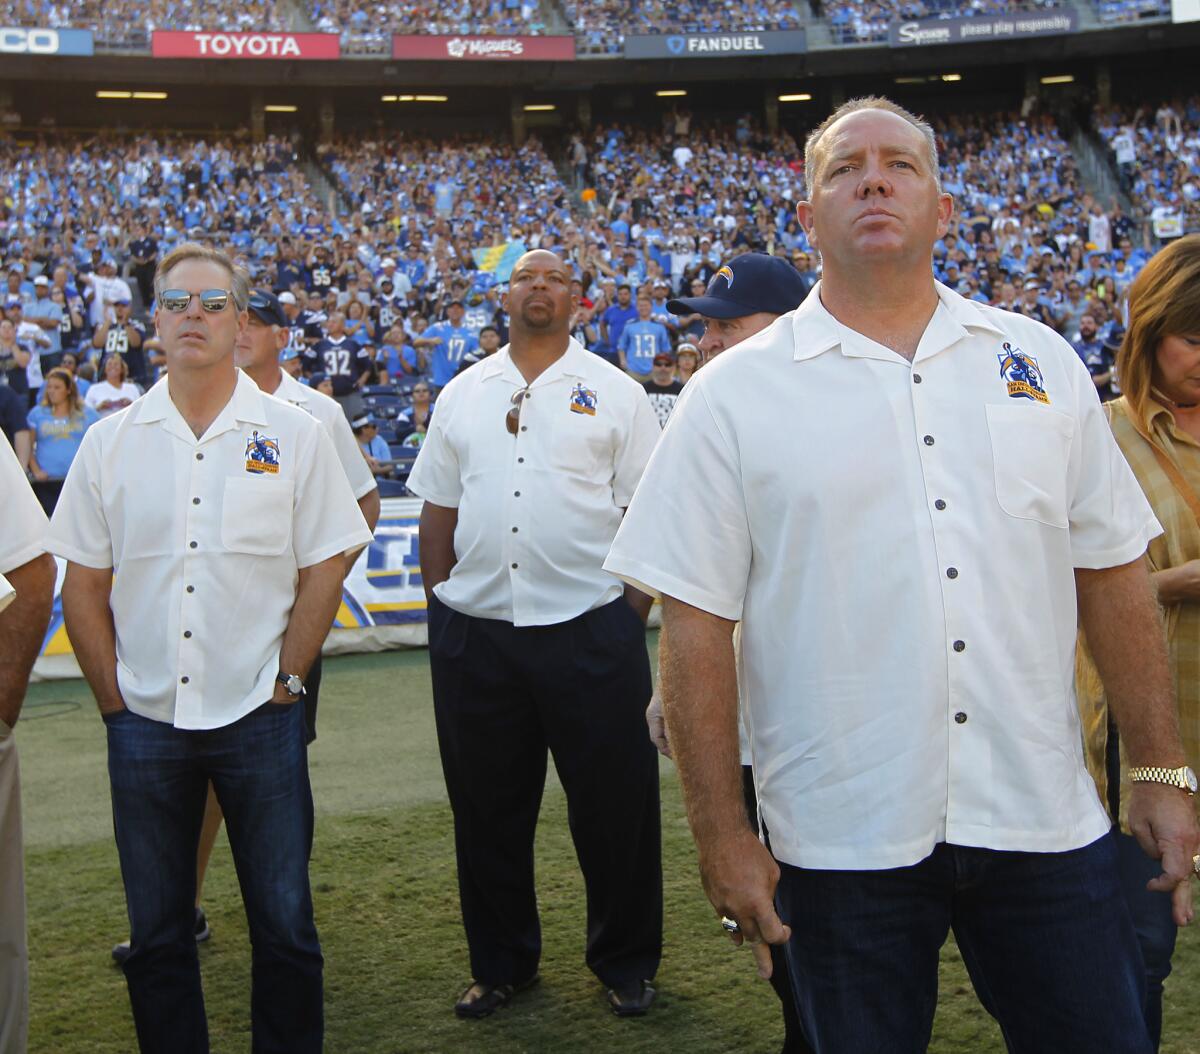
(16, 40)
(985, 27)
(716, 45)
(213, 44)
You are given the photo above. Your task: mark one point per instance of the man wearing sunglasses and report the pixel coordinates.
(527, 467)
(257, 353)
(226, 519)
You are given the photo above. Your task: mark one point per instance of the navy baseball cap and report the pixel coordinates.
(266, 308)
(747, 284)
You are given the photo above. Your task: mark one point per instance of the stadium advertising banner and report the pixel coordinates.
(486, 49)
(983, 27)
(716, 45)
(383, 601)
(21, 40)
(214, 44)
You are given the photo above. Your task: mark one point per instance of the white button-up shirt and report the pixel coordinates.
(537, 511)
(333, 419)
(23, 526)
(899, 541)
(206, 537)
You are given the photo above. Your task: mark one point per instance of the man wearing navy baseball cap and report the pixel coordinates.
(745, 296)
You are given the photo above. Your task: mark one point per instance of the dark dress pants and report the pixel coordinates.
(503, 696)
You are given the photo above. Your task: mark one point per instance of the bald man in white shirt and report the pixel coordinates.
(528, 465)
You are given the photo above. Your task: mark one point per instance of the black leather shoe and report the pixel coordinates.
(632, 999)
(482, 1000)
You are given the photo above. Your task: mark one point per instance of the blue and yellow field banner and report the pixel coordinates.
(499, 259)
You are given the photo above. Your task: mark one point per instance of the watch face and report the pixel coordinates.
(294, 684)
(1190, 777)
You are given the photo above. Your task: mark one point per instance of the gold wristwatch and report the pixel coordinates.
(1183, 778)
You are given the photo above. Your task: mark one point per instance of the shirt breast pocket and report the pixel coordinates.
(256, 517)
(1031, 450)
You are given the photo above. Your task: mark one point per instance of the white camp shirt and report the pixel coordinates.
(899, 541)
(23, 526)
(206, 538)
(333, 419)
(537, 511)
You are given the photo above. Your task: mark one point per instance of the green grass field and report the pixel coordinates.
(387, 909)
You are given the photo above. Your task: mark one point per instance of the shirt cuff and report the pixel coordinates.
(1117, 556)
(340, 547)
(96, 561)
(658, 583)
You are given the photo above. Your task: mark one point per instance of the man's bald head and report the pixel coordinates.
(539, 294)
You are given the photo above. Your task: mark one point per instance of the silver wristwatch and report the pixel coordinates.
(292, 682)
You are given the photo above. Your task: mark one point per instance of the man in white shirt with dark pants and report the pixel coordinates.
(908, 499)
(26, 594)
(530, 460)
(225, 517)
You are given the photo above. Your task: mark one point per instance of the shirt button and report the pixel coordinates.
(183, 680)
(929, 440)
(951, 572)
(199, 457)
(916, 378)
(520, 461)
(192, 545)
(939, 505)
(960, 718)
(524, 428)
(516, 493)
(514, 566)
(514, 530)
(960, 645)
(195, 501)
(187, 633)
(191, 589)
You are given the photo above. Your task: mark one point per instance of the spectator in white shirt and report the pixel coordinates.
(116, 391)
(206, 529)
(529, 462)
(908, 499)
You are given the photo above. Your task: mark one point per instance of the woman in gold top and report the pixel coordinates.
(1157, 426)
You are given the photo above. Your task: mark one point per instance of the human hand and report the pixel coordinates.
(40, 474)
(1163, 820)
(739, 877)
(658, 725)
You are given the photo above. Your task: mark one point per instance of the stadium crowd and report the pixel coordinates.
(388, 298)
(1156, 151)
(129, 23)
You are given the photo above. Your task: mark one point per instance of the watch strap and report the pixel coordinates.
(1157, 774)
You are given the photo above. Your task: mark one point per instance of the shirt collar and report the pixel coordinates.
(245, 405)
(816, 331)
(572, 363)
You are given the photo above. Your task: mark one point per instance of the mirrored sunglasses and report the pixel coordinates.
(212, 300)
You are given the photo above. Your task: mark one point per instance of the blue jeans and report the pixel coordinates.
(1046, 938)
(1153, 922)
(259, 769)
